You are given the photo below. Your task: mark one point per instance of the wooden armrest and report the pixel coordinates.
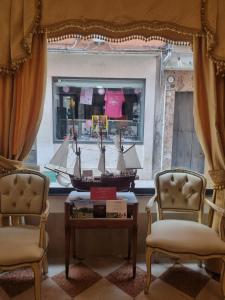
(44, 218)
(44, 215)
(150, 203)
(148, 209)
(221, 212)
(215, 207)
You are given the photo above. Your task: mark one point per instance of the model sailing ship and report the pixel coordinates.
(127, 165)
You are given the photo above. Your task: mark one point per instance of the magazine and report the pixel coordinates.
(116, 208)
(82, 209)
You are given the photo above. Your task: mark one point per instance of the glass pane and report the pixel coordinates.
(78, 102)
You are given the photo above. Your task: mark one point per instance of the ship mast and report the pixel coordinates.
(74, 134)
(102, 148)
(120, 162)
(121, 146)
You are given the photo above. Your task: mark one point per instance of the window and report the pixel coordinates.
(82, 102)
(84, 78)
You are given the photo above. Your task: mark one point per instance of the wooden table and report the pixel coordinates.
(71, 224)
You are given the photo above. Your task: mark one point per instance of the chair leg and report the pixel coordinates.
(45, 264)
(37, 280)
(148, 265)
(200, 264)
(222, 277)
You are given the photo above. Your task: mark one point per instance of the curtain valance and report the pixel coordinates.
(117, 20)
(121, 18)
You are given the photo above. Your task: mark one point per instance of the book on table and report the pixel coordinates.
(99, 209)
(82, 209)
(102, 203)
(116, 208)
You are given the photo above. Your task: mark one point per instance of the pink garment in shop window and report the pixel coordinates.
(113, 103)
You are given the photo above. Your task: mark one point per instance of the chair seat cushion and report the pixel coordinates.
(182, 237)
(19, 244)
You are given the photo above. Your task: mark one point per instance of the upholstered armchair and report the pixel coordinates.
(183, 191)
(23, 193)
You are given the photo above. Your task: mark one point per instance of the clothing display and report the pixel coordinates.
(61, 124)
(86, 95)
(131, 101)
(113, 103)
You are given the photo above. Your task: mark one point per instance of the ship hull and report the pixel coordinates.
(121, 182)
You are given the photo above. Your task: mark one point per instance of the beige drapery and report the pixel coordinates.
(21, 102)
(112, 19)
(209, 111)
(209, 116)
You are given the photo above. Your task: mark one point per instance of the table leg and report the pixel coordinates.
(129, 243)
(134, 250)
(74, 242)
(67, 250)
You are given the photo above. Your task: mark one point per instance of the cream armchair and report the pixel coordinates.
(184, 191)
(24, 193)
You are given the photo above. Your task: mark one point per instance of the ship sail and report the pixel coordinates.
(121, 165)
(63, 180)
(59, 160)
(76, 170)
(117, 142)
(59, 163)
(131, 158)
(101, 163)
(127, 160)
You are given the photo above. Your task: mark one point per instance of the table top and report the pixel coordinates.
(128, 196)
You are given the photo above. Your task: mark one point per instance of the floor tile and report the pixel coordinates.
(17, 281)
(160, 290)
(103, 290)
(55, 269)
(100, 278)
(212, 291)
(3, 295)
(184, 279)
(195, 267)
(81, 277)
(49, 291)
(104, 265)
(159, 269)
(123, 278)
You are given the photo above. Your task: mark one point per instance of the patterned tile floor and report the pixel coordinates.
(110, 278)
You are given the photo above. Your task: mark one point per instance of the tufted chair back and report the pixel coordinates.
(23, 192)
(180, 190)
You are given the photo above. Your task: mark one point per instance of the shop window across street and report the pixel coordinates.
(118, 103)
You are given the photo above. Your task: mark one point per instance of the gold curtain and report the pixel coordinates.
(21, 102)
(209, 116)
(117, 20)
(19, 20)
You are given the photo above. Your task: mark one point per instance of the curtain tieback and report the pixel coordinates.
(8, 164)
(218, 178)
